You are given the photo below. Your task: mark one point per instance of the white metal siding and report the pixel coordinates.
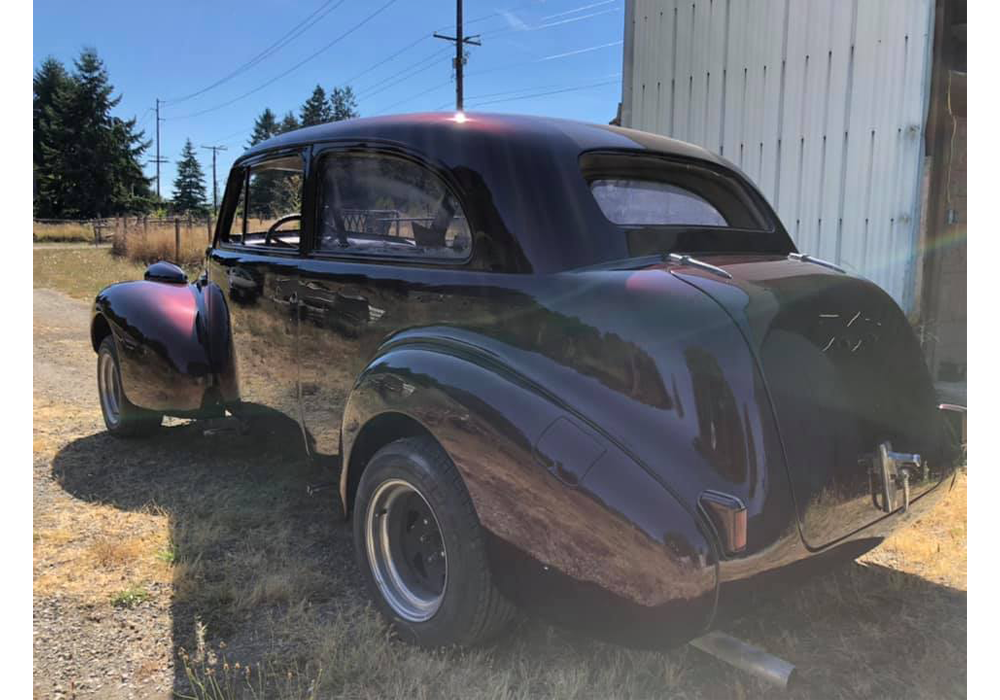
(820, 102)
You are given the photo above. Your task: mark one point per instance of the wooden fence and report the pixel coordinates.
(133, 235)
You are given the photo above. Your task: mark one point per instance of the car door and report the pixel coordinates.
(388, 252)
(255, 262)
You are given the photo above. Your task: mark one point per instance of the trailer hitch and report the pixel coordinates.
(890, 475)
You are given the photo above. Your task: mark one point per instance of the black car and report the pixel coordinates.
(573, 368)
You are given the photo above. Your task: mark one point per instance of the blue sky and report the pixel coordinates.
(172, 50)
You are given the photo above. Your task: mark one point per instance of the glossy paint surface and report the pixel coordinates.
(587, 404)
(175, 356)
(844, 373)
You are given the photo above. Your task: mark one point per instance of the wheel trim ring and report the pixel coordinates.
(110, 389)
(400, 596)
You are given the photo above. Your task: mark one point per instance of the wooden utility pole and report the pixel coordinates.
(158, 159)
(459, 62)
(215, 181)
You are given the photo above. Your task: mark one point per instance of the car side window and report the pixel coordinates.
(269, 211)
(238, 224)
(376, 204)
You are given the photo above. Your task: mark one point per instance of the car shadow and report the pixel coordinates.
(249, 543)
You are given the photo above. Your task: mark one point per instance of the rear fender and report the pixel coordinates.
(560, 500)
(173, 343)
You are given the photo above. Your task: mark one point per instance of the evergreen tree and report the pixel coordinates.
(316, 110)
(50, 79)
(289, 123)
(263, 183)
(189, 185)
(87, 161)
(264, 127)
(343, 104)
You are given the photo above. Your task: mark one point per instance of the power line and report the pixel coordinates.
(504, 67)
(283, 41)
(550, 92)
(413, 97)
(295, 67)
(407, 73)
(495, 69)
(579, 9)
(504, 92)
(368, 70)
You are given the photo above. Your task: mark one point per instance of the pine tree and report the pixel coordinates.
(265, 126)
(88, 160)
(343, 104)
(189, 185)
(50, 79)
(316, 110)
(289, 123)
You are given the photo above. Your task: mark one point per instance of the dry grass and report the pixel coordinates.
(69, 232)
(83, 272)
(92, 552)
(157, 241)
(264, 577)
(935, 547)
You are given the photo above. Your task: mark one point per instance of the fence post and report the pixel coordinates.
(209, 220)
(145, 227)
(97, 236)
(177, 240)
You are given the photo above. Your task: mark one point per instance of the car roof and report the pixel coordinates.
(520, 176)
(513, 130)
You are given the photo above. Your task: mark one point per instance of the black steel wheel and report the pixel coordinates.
(422, 550)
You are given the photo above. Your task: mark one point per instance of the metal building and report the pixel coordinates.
(824, 104)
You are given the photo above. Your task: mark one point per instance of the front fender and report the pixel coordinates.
(564, 504)
(173, 343)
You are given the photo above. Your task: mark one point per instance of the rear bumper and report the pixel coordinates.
(788, 563)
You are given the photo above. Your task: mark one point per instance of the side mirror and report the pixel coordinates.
(167, 272)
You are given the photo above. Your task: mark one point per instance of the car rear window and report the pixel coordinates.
(647, 203)
(662, 203)
(650, 190)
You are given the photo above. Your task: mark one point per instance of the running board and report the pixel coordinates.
(746, 657)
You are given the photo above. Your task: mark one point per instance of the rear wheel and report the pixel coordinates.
(122, 418)
(421, 548)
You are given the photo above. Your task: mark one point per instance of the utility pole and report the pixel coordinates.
(459, 61)
(158, 160)
(215, 182)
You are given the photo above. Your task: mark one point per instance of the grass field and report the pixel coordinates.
(157, 241)
(83, 272)
(211, 543)
(69, 232)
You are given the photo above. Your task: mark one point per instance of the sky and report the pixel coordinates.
(218, 64)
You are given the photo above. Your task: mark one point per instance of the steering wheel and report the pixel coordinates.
(270, 231)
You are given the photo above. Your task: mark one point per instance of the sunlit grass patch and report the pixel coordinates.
(82, 272)
(130, 597)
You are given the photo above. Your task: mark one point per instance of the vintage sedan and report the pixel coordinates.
(575, 369)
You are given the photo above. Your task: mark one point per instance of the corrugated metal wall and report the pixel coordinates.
(821, 102)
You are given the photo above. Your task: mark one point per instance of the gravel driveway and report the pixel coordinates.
(82, 648)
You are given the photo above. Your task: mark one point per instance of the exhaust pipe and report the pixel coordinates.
(745, 657)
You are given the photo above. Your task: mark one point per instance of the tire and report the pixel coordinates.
(122, 418)
(404, 482)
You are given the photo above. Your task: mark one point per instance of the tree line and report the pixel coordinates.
(88, 162)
